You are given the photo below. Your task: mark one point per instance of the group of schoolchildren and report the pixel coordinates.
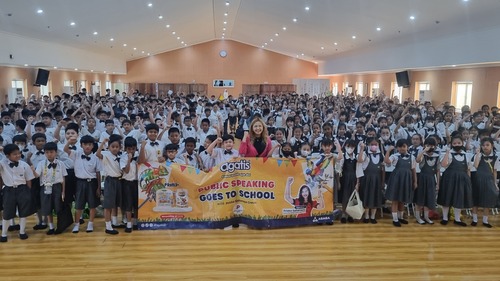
(56, 151)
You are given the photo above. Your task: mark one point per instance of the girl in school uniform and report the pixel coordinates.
(428, 179)
(455, 187)
(372, 181)
(484, 188)
(402, 182)
(349, 179)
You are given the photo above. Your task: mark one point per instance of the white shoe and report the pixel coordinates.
(428, 221)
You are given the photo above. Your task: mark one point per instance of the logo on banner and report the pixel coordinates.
(230, 167)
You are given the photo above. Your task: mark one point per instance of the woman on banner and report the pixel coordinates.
(304, 199)
(256, 142)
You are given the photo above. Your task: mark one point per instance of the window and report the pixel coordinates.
(18, 84)
(360, 88)
(108, 85)
(396, 91)
(424, 86)
(335, 88)
(375, 86)
(462, 95)
(67, 83)
(44, 90)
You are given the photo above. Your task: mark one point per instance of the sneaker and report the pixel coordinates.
(112, 232)
(128, 229)
(487, 225)
(343, 220)
(421, 222)
(403, 221)
(396, 223)
(51, 232)
(429, 221)
(474, 223)
(76, 229)
(89, 229)
(459, 223)
(3, 239)
(444, 222)
(373, 221)
(23, 236)
(39, 226)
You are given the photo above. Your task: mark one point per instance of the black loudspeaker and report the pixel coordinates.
(42, 77)
(403, 79)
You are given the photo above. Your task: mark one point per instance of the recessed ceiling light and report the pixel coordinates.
(297, 56)
(111, 39)
(160, 16)
(225, 22)
(302, 54)
(72, 23)
(335, 43)
(225, 14)
(295, 20)
(354, 37)
(265, 44)
(276, 34)
(271, 40)
(124, 45)
(173, 32)
(142, 52)
(262, 46)
(150, 5)
(167, 26)
(182, 42)
(322, 48)
(55, 67)
(135, 48)
(95, 33)
(104, 71)
(454, 65)
(307, 8)
(223, 29)
(284, 27)
(40, 11)
(223, 34)
(76, 69)
(148, 55)
(178, 37)
(378, 28)
(25, 64)
(91, 70)
(412, 17)
(185, 45)
(223, 37)
(227, 3)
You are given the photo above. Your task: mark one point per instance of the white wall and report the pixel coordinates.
(39, 53)
(480, 46)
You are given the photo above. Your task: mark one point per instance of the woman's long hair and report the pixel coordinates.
(309, 197)
(264, 133)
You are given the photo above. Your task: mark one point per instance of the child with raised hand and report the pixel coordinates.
(113, 182)
(128, 164)
(226, 152)
(402, 182)
(52, 184)
(190, 156)
(455, 187)
(428, 181)
(151, 149)
(16, 177)
(484, 187)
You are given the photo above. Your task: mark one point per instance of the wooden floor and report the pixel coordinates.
(340, 252)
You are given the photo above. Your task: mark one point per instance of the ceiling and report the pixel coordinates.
(130, 29)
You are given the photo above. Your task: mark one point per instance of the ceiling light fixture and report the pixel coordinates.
(104, 71)
(225, 22)
(322, 48)
(227, 3)
(225, 14)
(55, 67)
(167, 26)
(378, 28)
(185, 45)
(182, 42)
(412, 17)
(284, 27)
(223, 29)
(135, 48)
(265, 44)
(302, 54)
(178, 37)
(72, 23)
(125, 45)
(148, 55)
(223, 34)
(95, 33)
(295, 20)
(173, 32)
(335, 43)
(276, 34)
(25, 64)
(142, 52)
(307, 8)
(223, 37)
(91, 70)
(354, 37)
(40, 11)
(160, 17)
(150, 5)
(111, 39)
(271, 40)
(76, 69)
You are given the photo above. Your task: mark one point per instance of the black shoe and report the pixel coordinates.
(343, 220)
(236, 225)
(366, 220)
(350, 219)
(444, 222)
(23, 236)
(14, 227)
(58, 231)
(396, 223)
(474, 223)
(128, 229)
(487, 225)
(82, 221)
(118, 226)
(135, 227)
(51, 232)
(373, 221)
(329, 223)
(112, 232)
(403, 221)
(3, 239)
(460, 223)
(39, 226)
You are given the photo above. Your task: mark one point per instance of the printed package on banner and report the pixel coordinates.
(258, 192)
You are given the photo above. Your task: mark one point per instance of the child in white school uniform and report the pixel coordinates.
(113, 182)
(16, 178)
(35, 156)
(52, 184)
(151, 149)
(128, 164)
(226, 152)
(190, 157)
(206, 158)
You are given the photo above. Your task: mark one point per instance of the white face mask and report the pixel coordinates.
(304, 153)
(385, 138)
(430, 124)
(349, 150)
(414, 116)
(411, 126)
(21, 147)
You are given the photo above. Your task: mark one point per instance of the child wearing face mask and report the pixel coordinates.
(349, 179)
(429, 128)
(372, 182)
(455, 187)
(386, 141)
(428, 179)
(406, 132)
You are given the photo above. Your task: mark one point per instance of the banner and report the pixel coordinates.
(258, 192)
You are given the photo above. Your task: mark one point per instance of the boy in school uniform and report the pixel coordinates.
(113, 183)
(190, 157)
(130, 193)
(88, 179)
(151, 149)
(16, 178)
(35, 157)
(170, 153)
(206, 158)
(51, 175)
(224, 153)
(20, 141)
(188, 130)
(8, 129)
